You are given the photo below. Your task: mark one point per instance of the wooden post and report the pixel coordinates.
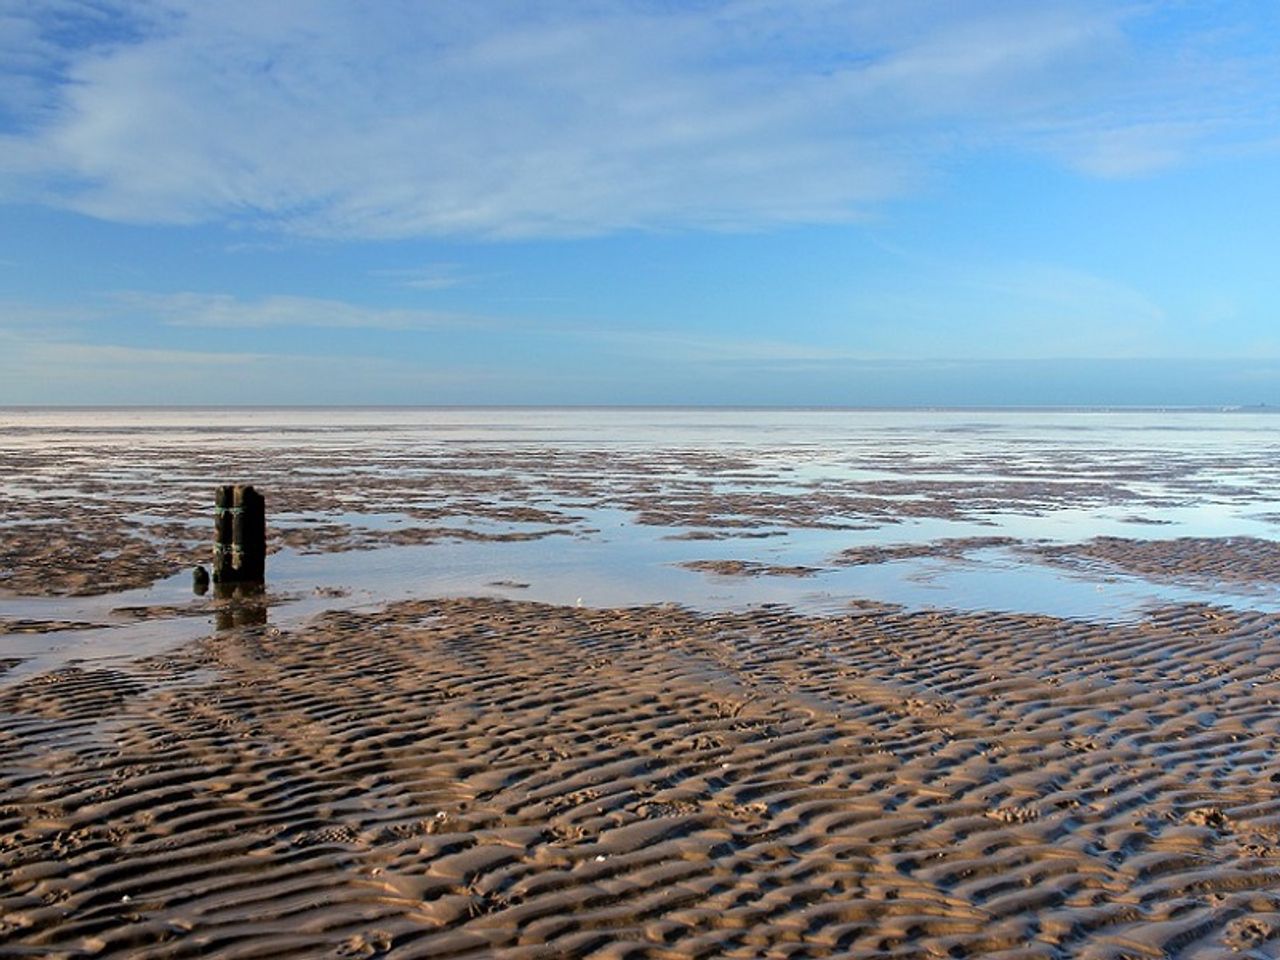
(249, 536)
(240, 535)
(223, 505)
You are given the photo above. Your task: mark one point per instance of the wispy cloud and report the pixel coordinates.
(1127, 151)
(219, 311)
(100, 355)
(42, 320)
(429, 276)
(1013, 309)
(57, 368)
(60, 370)
(345, 119)
(1047, 310)
(684, 348)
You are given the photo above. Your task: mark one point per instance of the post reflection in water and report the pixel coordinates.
(239, 605)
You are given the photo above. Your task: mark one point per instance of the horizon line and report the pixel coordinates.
(1140, 407)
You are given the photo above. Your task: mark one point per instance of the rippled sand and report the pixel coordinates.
(488, 778)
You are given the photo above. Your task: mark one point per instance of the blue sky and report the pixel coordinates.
(940, 202)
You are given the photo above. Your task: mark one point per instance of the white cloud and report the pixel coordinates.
(346, 119)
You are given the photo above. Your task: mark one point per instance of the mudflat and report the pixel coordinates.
(477, 776)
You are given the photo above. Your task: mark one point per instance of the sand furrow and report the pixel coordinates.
(479, 778)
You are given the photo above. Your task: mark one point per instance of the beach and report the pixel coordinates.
(643, 684)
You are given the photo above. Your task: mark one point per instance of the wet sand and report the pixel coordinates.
(1233, 559)
(483, 777)
(490, 778)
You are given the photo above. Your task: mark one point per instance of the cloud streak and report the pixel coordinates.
(349, 120)
(60, 371)
(220, 311)
(430, 276)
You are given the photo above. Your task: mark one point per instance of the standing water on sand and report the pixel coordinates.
(1071, 513)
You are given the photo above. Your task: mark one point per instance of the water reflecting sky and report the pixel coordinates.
(1060, 475)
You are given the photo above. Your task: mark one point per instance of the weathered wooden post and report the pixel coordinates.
(249, 536)
(240, 535)
(223, 508)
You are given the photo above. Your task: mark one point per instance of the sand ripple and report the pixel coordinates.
(1216, 559)
(486, 778)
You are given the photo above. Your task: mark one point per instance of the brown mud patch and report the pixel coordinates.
(748, 568)
(339, 538)
(87, 555)
(499, 779)
(8, 625)
(1223, 559)
(953, 548)
(736, 534)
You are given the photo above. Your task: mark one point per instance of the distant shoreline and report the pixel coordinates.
(798, 408)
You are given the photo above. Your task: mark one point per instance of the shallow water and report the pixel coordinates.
(1062, 476)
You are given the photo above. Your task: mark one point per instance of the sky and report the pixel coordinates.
(803, 202)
